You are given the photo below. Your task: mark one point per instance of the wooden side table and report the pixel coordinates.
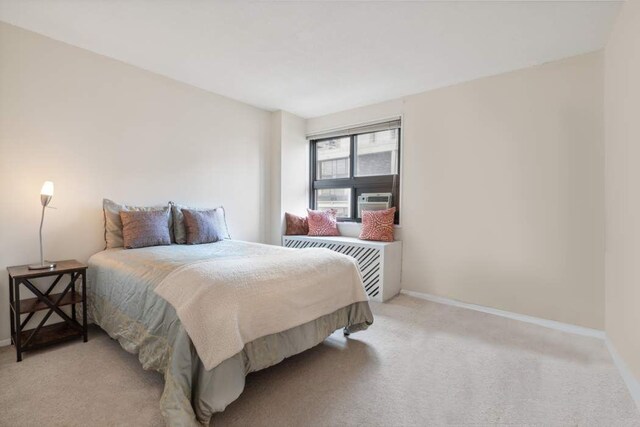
(41, 335)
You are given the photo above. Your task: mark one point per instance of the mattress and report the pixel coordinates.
(122, 301)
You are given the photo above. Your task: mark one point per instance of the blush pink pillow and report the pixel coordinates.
(323, 223)
(378, 225)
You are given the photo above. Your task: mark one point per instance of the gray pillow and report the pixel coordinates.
(145, 228)
(204, 226)
(113, 224)
(179, 231)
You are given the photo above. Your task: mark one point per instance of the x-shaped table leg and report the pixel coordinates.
(53, 307)
(48, 291)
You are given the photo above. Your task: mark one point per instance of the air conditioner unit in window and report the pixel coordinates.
(374, 202)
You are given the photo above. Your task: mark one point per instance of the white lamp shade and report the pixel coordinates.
(47, 189)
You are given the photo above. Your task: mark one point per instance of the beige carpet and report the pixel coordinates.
(420, 364)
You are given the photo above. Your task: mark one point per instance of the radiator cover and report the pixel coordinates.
(379, 262)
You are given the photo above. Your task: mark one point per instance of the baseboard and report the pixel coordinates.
(630, 380)
(4, 343)
(552, 324)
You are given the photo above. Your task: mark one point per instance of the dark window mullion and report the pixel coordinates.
(312, 174)
(333, 183)
(354, 197)
(373, 180)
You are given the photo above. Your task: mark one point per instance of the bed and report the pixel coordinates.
(123, 300)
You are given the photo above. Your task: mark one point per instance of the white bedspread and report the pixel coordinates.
(228, 302)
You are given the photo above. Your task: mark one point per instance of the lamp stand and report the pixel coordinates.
(44, 265)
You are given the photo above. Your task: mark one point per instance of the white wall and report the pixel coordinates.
(295, 174)
(275, 217)
(622, 178)
(100, 128)
(289, 175)
(502, 189)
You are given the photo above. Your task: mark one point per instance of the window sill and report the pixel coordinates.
(352, 229)
(350, 222)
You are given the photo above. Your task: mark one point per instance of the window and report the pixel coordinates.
(377, 153)
(357, 162)
(335, 198)
(332, 157)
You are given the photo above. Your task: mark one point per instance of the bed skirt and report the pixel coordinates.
(192, 394)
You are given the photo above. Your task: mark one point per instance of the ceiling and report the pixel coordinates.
(314, 58)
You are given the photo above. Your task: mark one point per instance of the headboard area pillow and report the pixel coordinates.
(204, 226)
(179, 230)
(141, 229)
(113, 223)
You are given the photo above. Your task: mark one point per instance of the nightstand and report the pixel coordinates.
(41, 335)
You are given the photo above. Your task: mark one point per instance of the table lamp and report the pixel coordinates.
(46, 194)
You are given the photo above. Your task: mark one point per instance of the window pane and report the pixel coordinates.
(377, 153)
(335, 198)
(332, 157)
